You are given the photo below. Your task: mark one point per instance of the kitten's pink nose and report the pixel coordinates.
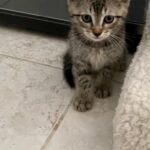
(97, 32)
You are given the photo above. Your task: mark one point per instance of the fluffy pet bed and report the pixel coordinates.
(132, 119)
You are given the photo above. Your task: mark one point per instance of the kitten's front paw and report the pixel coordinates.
(102, 92)
(82, 105)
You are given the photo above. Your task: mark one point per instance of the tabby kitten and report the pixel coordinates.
(96, 45)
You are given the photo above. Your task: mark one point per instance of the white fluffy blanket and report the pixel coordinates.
(132, 119)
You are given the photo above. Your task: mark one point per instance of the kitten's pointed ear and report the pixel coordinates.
(71, 2)
(68, 1)
(124, 7)
(126, 1)
(71, 6)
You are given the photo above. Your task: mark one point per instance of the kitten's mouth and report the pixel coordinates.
(96, 39)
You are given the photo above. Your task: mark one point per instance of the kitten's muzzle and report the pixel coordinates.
(97, 32)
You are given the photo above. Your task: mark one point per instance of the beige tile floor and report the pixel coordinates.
(35, 102)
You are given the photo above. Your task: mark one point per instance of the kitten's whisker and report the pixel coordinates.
(117, 41)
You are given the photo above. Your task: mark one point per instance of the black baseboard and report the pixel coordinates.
(35, 22)
(62, 27)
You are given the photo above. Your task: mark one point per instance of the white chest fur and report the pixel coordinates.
(97, 59)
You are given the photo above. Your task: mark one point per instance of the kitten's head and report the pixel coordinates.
(97, 20)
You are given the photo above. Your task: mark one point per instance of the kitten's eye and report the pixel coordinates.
(86, 18)
(109, 19)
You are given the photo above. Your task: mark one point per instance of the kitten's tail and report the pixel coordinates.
(67, 70)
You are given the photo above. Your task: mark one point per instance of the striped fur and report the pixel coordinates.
(91, 59)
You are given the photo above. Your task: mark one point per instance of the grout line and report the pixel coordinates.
(34, 62)
(58, 123)
(42, 64)
(56, 126)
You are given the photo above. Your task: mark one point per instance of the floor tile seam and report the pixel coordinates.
(56, 126)
(30, 61)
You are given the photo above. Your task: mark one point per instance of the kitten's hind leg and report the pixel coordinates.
(121, 64)
(103, 91)
(103, 83)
